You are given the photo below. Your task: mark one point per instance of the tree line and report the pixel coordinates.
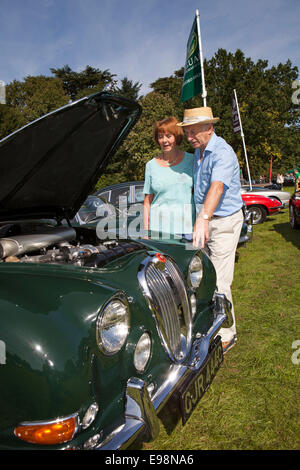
(271, 121)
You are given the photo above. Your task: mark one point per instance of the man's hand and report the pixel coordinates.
(201, 227)
(200, 232)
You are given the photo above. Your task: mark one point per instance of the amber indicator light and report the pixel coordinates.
(47, 434)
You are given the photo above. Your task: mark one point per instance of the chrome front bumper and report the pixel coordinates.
(141, 409)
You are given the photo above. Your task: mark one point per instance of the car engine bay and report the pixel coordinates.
(44, 243)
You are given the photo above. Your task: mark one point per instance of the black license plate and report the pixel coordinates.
(192, 390)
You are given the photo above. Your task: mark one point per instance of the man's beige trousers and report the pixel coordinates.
(224, 237)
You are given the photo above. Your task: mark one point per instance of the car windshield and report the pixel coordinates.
(89, 211)
(92, 203)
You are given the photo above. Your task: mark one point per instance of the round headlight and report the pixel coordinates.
(112, 326)
(142, 352)
(195, 271)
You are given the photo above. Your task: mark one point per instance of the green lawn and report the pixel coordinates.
(253, 402)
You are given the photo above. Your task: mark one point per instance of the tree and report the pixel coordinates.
(171, 87)
(88, 81)
(30, 99)
(270, 119)
(129, 89)
(139, 147)
(10, 120)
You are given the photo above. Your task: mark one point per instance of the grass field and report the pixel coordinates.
(253, 402)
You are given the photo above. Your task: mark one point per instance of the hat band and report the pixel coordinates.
(194, 120)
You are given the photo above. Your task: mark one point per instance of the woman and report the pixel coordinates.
(168, 202)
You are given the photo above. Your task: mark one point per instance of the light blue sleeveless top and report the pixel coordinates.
(172, 210)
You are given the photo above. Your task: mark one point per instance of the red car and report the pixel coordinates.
(294, 208)
(261, 206)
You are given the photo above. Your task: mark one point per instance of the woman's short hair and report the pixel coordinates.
(168, 125)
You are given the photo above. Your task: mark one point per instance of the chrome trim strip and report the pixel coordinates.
(50, 421)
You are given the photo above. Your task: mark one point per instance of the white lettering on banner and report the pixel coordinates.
(192, 79)
(2, 352)
(296, 94)
(191, 63)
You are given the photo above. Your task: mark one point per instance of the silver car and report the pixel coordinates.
(281, 196)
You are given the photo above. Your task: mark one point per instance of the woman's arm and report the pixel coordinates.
(147, 203)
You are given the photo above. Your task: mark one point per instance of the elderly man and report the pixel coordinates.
(217, 194)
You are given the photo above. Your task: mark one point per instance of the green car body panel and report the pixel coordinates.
(53, 365)
(55, 283)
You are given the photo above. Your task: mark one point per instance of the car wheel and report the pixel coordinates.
(259, 214)
(293, 220)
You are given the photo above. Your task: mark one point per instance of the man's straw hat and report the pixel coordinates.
(198, 116)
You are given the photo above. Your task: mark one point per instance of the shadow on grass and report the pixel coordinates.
(290, 235)
(169, 417)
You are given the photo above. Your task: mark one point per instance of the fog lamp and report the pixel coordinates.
(142, 352)
(195, 271)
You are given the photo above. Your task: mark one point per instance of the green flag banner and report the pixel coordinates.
(192, 80)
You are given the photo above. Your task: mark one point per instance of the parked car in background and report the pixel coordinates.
(132, 192)
(261, 206)
(269, 191)
(88, 211)
(96, 336)
(294, 210)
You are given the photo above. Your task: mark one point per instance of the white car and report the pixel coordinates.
(281, 196)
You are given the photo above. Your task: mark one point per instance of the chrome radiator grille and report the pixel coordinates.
(165, 289)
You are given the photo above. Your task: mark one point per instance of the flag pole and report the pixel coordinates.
(243, 139)
(204, 93)
(271, 163)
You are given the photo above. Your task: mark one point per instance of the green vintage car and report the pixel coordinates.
(96, 336)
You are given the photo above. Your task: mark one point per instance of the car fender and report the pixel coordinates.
(47, 326)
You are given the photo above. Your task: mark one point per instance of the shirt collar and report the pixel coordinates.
(209, 148)
(211, 143)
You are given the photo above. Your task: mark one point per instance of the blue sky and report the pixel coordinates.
(140, 39)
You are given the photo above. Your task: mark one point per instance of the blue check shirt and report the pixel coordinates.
(219, 163)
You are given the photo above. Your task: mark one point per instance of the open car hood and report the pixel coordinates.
(51, 165)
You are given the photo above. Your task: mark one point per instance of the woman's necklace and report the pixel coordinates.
(170, 162)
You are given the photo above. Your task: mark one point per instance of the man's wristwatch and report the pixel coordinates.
(205, 216)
